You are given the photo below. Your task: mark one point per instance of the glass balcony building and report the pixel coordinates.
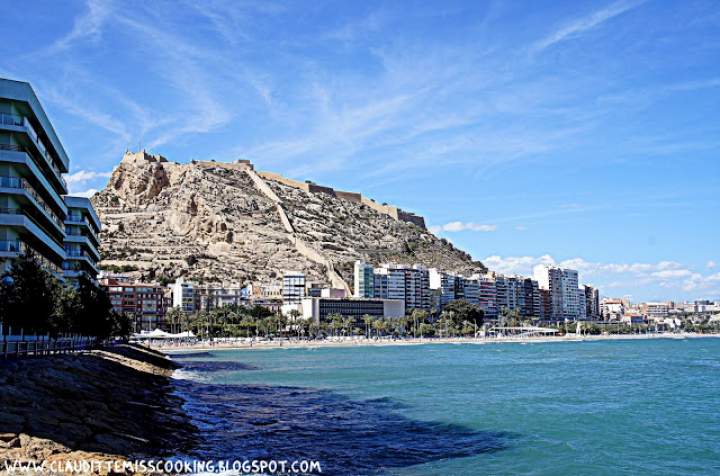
(34, 206)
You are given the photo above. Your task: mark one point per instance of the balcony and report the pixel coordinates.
(40, 147)
(32, 230)
(85, 241)
(22, 184)
(11, 247)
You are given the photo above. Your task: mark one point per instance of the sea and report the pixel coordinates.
(562, 408)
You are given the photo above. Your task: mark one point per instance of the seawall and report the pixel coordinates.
(109, 404)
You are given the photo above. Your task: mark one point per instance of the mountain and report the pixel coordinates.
(225, 222)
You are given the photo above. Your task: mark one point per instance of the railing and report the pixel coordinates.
(19, 346)
(21, 183)
(11, 120)
(46, 156)
(11, 246)
(43, 150)
(12, 147)
(76, 254)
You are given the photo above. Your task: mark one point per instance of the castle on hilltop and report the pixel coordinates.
(309, 187)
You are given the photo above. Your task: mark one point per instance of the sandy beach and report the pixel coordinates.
(259, 344)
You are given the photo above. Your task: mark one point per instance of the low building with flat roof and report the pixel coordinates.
(320, 308)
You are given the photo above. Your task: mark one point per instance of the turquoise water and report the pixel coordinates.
(612, 407)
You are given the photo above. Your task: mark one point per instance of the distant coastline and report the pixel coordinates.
(243, 344)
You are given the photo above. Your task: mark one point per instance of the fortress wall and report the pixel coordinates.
(240, 166)
(350, 196)
(320, 189)
(390, 210)
(283, 180)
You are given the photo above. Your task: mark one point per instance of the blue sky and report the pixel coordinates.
(582, 133)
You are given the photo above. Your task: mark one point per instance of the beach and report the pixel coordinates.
(247, 344)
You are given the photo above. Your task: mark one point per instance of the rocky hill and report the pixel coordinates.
(224, 222)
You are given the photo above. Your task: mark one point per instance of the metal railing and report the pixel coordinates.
(44, 153)
(11, 120)
(21, 346)
(11, 246)
(21, 183)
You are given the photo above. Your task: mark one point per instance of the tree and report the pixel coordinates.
(28, 296)
(369, 321)
(95, 317)
(173, 318)
(419, 317)
(460, 311)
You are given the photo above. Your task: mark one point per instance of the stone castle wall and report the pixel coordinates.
(390, 210)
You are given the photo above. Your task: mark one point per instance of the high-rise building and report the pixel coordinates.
(488, 296)
(183, 296)
(592, 302)
(82, 226)
(364, 282)
(32, 161)
(531, 306)
(293, 287)
(450, 287)
(565, 299)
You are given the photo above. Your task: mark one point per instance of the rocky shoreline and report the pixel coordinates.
(111, 404)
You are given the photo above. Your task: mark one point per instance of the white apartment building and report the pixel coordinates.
(364, 285)
(183, 295)
(565, 294)
(409, 284)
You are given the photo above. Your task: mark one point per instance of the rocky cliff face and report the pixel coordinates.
(221, 222)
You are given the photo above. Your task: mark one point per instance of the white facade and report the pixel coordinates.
(566, 301)
(364, 282)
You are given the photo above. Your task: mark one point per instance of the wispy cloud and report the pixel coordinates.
(455, 226)
(671, 276)
(87, 26)
(578, 26)
(82, 176)
(85, 193)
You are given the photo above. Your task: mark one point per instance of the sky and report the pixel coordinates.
(583, 134)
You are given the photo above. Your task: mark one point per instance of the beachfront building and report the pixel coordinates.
(390, 281)
(183, 296)
(318, 309)
(592, 302)
(364, 280)
(488, 296)
(657, 310)
(449, 287)
(142, 302)
(565, 299)
(32, 161)
(82, 227)
(207, 297)
(612, 309)
(293, 287)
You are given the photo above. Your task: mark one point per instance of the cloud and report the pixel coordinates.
(88, 25)
(85, 193)
(710, 264)
(82, 176)
(455, 226)
(666, 274)
(580, 25)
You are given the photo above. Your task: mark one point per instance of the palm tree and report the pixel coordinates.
(369, 321)
(378, 325)
(348, 325)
